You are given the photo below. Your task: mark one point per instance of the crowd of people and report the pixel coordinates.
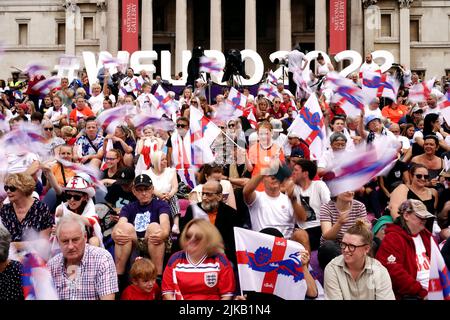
(156, 224)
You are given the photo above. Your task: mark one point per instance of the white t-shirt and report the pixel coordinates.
(53, 115)
(326, 159)
(369, 67)
(96, 102)
(276, 212)
(295, 60)
(419, 134)
(404, 141)
(316, 195)
(162, 183)
(423, 262)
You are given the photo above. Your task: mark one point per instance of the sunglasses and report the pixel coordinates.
(76, 197)
(10, 188)
(231, 125)
(222, 127)
(48, 129)
(351, 247)
(422, 176)
(110, 159)
(195, 236)
(179, 125)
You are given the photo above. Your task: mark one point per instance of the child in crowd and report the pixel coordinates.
(143, 282)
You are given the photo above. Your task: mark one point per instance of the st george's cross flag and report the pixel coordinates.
(375, 85)
(309, 126)
(439, 285)
(269, 264)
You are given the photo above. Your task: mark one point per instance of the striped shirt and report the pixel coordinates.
(96, 276)
(329, 212)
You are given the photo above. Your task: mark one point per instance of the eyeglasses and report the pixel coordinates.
(422, 176)
(110, 159)
(277, 102)
(231, 125)
(48, 129)
(195, 236)
(351, 247)
(76, 197)
(180, 125)
(222, 127)
(10, 188)
(209, 193)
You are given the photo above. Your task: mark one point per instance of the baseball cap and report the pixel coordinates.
(381, 222)
(143, 180)
(293, 134)
(297, 152)
(416, 108)
(126, 176)
(419, 209)
(277, 125)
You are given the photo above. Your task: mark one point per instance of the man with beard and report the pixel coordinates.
(218, 213)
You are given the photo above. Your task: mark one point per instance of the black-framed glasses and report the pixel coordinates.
(277, 102)
(231, 125)
(222, 127)
(10, 188)
(195, 236)
(351, 247)
(422, 176)
(180, 125)
(76, 197)
(48, 129)
(110, 159)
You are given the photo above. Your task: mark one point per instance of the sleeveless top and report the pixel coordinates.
(434, 173)
(428, 203)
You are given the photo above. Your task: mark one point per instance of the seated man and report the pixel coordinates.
(218, 213)
(81, 271)
(144, 224)
(272, 208)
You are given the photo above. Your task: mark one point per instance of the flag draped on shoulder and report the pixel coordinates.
(375, 85)
(272, 78)
(439, 285)
(352, 169)
(269, 264)
(309, 125)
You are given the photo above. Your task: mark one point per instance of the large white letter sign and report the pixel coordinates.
(136, 58)
(166, 68)
(352, 55)
(279, 72)
(312, 55)
(259, 67)
(386, 56)
(92, 66)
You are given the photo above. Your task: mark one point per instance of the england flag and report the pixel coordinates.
(309, 126)
(439, 285)
(269, 264)
(375, 85)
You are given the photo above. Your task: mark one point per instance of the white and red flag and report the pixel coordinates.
(444, 106)
(420, 91)
(269, 264)
(375, 85)
(269, 91)
(238, 101)
(210, 65)
(439, 285)
(309, 125)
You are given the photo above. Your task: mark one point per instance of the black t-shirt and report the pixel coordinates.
(394, 177)
(118, 197)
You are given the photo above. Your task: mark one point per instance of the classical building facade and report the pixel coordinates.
(416, 32)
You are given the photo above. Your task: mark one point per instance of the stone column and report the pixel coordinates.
(71, 12)
(404, 32)
(180, 33)
(356, 26)
(147, 25)
(250, 30)
(285, 36)
(113, 26)
(370, 25)
(320, 25)
(215, 36)
(101, 15)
